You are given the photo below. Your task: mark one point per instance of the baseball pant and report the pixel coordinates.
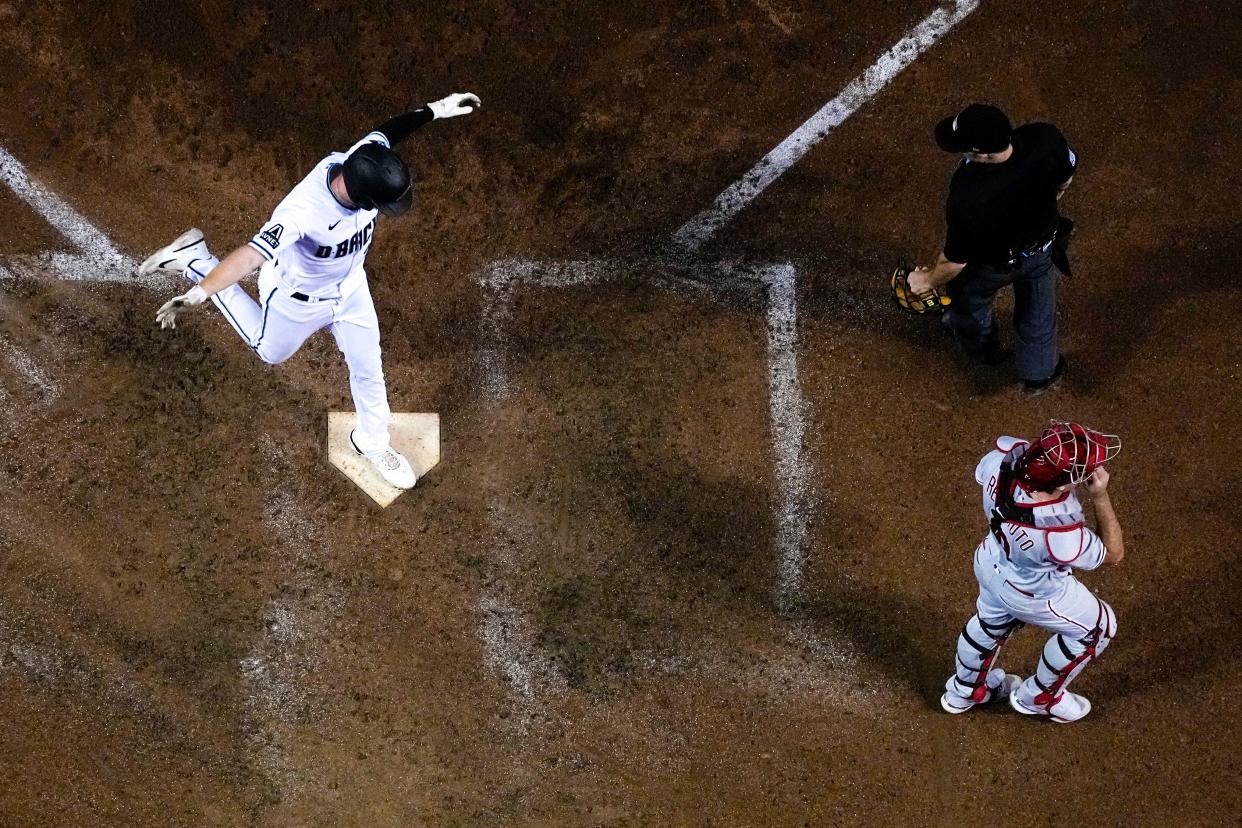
(970, 315)
(277, 325)
(1083, 626)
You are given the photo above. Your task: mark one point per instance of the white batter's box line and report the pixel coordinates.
(96, 259)
(500, 278)
(279, 674)
(698, 230)
(788, 414)
(708, 279)
(510, 649)
(30, 371)
(788, 411)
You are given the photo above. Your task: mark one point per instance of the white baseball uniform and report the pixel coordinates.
(314, 278)
(1025, 571)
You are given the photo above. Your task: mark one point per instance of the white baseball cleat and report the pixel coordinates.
(177, 256)
(954, 704)
(1007, 684)
(1000, 687)
(391, 465)
(1068, 707)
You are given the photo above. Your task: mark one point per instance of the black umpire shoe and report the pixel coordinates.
(1037, 387)
(990, 354)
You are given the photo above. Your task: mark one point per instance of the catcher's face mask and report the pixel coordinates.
(1067, 454)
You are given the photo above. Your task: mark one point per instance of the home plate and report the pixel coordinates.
(417, 436)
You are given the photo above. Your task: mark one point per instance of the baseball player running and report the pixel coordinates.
(1025, 566)
(310, 258)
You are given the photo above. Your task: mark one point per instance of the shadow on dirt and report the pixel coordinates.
(1125, 318)
(909, 641)
(1150, 652)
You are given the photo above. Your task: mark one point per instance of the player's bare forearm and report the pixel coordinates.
(944, 271)
(1109, 529)
(235, 266)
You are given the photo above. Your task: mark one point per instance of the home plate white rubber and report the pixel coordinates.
(417, 436)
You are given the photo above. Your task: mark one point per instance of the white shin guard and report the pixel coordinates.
(1063, 658)
(978, 650)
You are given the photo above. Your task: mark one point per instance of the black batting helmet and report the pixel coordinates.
(377, 179)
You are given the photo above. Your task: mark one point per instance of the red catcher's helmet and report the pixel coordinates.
(1066, 453)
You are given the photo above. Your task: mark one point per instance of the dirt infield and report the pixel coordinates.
(598, 610)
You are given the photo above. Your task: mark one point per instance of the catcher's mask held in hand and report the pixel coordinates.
(931, 302)
(1066, 453)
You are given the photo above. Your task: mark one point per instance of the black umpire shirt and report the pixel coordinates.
(995, 210)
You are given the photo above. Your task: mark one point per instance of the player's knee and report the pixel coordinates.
(1063, 649)
(367, 371)
(198, 269)
(269, 356)
(1037, 331)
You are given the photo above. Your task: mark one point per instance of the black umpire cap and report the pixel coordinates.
(377, 179)
(977, 128)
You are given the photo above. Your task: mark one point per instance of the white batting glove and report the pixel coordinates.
(459, 103)
(167, 314)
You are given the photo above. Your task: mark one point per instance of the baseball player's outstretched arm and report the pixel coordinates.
(398, 128)
(237, 264)
(402, 126)
(1108, 525)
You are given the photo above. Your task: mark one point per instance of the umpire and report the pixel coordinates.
(1002, 227)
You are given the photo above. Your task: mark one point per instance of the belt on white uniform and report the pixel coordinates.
(302, 297)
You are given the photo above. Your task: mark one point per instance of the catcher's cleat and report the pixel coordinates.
(177, 256)
(1000, 687)
(391, 465)
(917, 303)
(1068, 707)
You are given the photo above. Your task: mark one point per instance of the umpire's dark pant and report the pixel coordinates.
(1034, 310)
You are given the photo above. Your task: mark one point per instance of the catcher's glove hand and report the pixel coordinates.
(931, 302)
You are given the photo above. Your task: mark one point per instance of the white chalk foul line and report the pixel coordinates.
(97, 259)
(694, 233)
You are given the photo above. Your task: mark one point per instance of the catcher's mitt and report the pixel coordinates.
(931, 302)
